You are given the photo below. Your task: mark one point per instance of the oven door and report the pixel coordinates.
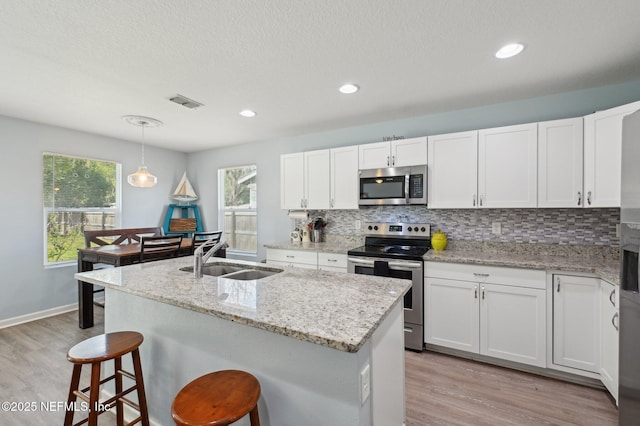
(413, 299)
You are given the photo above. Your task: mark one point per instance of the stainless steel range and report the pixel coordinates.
(396, 250)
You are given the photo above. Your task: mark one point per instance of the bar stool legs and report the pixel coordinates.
(95, 351)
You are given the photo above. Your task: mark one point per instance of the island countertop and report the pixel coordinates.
(336, 310)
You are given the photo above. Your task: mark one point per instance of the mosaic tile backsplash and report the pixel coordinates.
(595, 227)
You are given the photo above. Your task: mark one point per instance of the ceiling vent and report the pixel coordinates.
(185, 102)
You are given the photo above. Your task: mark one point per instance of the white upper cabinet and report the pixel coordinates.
(317, 185)
(560, 161)
(398, 153)
(602, 155)
(304, 180)
(507, 166)
(292, 181)
(452, 172)
(344, 178)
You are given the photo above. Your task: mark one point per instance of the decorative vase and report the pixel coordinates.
(439, 240)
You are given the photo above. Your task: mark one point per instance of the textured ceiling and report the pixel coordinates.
(83, 64)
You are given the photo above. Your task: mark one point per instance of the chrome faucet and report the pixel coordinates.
(200, 257)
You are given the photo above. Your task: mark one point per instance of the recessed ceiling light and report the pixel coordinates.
(509, 50)
(349, 88)
(247, 113)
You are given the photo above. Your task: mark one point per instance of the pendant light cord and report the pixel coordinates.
(143, 124)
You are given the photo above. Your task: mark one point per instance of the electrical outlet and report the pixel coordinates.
(618, 230)
(358, 224)
(496, 228)
(365, 384)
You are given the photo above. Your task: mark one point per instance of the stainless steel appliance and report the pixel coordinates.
(396, 250)
(629, 366)
(394, 185)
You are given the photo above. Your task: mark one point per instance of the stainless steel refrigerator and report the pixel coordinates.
(629, 367)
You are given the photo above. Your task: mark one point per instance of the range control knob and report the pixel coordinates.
(409, 229)
(416, 229)
(370, 227)
(423, 229)
(375, 228)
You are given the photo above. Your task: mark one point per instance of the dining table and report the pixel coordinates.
(112, 255)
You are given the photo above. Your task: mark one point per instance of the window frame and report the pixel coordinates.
(222, 209)
(117, 209)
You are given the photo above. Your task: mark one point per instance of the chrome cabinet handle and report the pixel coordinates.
(331, 203)
(290, 256)
(477, 275)
(579, 198)
(481, 200)
(482, 292)
(393, 160)
(475, 292)
(474, 201)
(613, 302)
(589, 197)
(388, 162)
(558, 284)
(332, 260)
(613, 321)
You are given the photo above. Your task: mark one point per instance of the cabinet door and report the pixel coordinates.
(507, 166)
(513, 324)
(344, 178)
(576, 322)
(452, 172)
(409, 152)
(560, 163)
(609, 337)
(292, 181)
(317, 181)
(602, 155)
(451, 314)
(374, 155)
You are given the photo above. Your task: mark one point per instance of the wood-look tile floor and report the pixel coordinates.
(440, 389)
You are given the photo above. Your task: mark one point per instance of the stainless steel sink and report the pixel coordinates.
(250, 274)
(234, 272)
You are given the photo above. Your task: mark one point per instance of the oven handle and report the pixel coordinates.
(410, 265)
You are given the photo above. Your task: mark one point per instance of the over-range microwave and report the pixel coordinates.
(394, 185)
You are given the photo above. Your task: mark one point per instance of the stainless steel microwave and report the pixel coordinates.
(394, 185)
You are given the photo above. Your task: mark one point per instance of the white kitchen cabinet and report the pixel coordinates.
(452, 172)
(493, 311)
(292, 181)
(397, 153)
(609, 343)
(334, 262)
(576, 322)
(602, 155)
(560, 163)
(507, 166)
(304, 180)
(344, 178)
(307, 259)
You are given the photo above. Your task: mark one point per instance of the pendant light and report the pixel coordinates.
(142, 178)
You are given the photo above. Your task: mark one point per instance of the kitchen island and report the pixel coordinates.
(312, 338)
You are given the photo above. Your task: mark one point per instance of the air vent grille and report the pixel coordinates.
(185, 102)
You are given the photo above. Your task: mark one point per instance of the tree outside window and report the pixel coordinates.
(78, 194)
(238, 207)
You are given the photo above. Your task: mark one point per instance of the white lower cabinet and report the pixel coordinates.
(576, 322)
(299, 258)
(609, 321)
(333, 262)
(493, 311)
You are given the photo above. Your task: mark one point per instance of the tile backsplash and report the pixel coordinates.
(547, 226)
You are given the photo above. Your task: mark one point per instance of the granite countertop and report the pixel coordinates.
(601, 262)
(336, 310)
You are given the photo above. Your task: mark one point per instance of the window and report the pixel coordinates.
(238, 213)
(78, 194)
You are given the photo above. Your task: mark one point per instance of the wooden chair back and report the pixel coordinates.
(159, 247)
(200, 238)
(106, 237)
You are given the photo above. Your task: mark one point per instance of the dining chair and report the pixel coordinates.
(159, 247)
(200, 238)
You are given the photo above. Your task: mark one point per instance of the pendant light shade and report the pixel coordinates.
(142, 178)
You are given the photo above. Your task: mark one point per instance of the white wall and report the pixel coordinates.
(26, 286)
(273, 224)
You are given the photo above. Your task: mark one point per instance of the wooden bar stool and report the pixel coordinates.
(217, 399)
(95, 351)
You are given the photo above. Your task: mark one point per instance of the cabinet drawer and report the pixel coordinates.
(293, 256)
(335, 260)
(531, 278)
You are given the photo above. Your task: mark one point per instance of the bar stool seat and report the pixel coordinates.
(217, 399)
(95, 351)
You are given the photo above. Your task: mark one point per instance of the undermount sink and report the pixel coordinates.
(234, 272)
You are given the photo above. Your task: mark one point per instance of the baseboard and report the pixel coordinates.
(10, 322)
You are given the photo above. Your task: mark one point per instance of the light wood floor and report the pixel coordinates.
(440, 389)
